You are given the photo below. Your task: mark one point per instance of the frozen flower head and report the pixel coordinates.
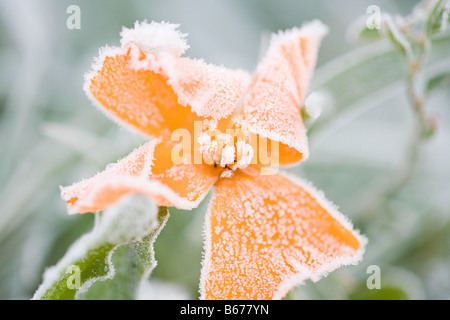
(212, 127)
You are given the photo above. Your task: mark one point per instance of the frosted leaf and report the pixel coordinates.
(437, 16)
(129, 220)
(134, 218)
(391, 29)
(265, 234)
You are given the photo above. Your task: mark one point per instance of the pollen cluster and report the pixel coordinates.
(231, 150)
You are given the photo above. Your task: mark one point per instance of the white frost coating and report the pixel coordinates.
(314, 28)
(97, 65)
(227, 174)
(228, 155)
(88, 283)
(204, 141)
(156, 37)
(151, 188)
(314, 104)
(322, 100)
(206, 254)
(131, 219)
(388, 24)
(301, 143)
(244, 154)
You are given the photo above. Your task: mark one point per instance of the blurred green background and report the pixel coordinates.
(51, 135)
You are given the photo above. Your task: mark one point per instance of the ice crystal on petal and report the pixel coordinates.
(271, 107)
(244, 154)
(156, 37)
(291, 234)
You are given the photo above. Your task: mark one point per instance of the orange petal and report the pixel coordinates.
(211, 91)
(272, 106)
(189, 181)
(148, 170)
(146, 85)
(139, 99)
(266, 234)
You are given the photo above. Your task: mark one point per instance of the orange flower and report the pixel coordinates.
(265, 231)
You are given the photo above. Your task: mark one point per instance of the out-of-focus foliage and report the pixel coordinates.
(50, 135)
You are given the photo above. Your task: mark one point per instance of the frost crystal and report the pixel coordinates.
(318, 103)
(222, 149)
(156, 37)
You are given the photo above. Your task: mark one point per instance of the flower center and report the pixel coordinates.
(231, 150)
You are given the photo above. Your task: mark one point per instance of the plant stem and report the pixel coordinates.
(421, 128)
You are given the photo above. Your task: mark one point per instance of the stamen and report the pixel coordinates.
(230, 150)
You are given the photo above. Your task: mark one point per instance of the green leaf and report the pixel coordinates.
(370, 34)
(93, 266)
(439, 18)
(113, 259)
(438, 81)
(398, 39)
(133, 263)
(360, 30)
